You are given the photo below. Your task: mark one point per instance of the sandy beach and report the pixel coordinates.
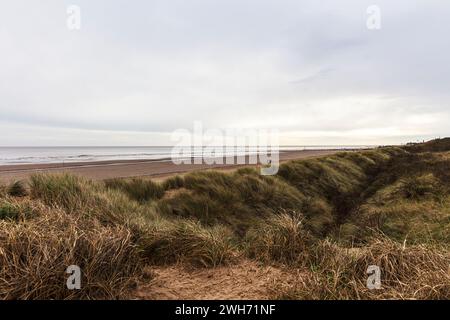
(157, 169)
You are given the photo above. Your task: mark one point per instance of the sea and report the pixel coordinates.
(36, 155)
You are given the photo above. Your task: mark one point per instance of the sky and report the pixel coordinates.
(136, 71)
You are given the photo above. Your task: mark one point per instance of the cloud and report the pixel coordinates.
(156, 66)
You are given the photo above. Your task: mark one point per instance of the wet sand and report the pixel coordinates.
(157, 169)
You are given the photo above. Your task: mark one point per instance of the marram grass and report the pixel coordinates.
(322, 220)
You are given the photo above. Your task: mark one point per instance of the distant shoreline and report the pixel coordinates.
(59, 156)
(157, 168)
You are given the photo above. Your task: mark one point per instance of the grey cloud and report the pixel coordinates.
(150, 66)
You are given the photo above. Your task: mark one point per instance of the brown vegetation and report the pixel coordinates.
(322, 221)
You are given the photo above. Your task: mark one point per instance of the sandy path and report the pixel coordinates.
(137, 168)
(244, 281)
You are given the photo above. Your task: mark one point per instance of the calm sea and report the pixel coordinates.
(29, 155)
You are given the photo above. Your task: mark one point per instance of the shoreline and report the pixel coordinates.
(157, 168)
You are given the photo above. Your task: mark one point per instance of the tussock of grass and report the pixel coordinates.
(17, 189)
(187, 204)
(8, 211)
(13, 210)
(86, 198)
(3, 192)
(137, 189)
(66, 191)
(281, 238)
(420, 187)
(189, 242)
(175, 182)
(34, 255)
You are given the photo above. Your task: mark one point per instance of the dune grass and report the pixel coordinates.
(19, 210)
(17, 189)
(407, 201)
(189, 242)
(237, 199)
(137, 189)
(281, 238)
(35, 254)
(408, 272)
(324, 219)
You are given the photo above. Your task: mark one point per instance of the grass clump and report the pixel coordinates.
(137, 189)
(189, 242)
(420, 186)
(3, 191)
(34, 255)
(13, 210)
(175, 182)
(8, 211)
(89, 199)
(281, 238)
(17, 189)
(63, 190)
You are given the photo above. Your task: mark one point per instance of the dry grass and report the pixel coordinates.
(34, 255)
(412, 272)
(189, 242)
(319, 219)
(281, 238)
(3, 190)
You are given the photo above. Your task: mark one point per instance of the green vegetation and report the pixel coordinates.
(326, 219)
(137, 189)
(12, 209)
(8, 211)
(281, 238)
(236, 200)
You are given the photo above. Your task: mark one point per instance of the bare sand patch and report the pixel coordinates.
(243, 281)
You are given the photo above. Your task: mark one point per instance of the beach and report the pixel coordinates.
(157, 169)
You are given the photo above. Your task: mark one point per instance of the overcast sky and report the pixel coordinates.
(137, 70)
